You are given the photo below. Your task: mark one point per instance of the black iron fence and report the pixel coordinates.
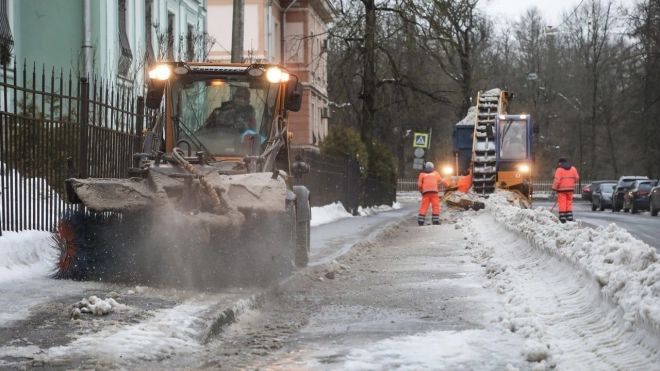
(332, 179)
(47, 118)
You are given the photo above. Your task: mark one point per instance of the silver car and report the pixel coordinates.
(601, 198)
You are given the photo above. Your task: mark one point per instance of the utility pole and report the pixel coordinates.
(237, 31)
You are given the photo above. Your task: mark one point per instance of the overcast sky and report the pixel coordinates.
(551, 9)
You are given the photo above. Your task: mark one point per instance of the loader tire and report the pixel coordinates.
(302, 243)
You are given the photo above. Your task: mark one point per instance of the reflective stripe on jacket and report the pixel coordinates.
(565, 179)
(428, 182)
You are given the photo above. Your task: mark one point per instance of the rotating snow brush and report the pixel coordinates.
(84, 252)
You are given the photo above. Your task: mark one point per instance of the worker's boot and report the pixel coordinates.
(421, 219)
(436, 219)
(563, 217)
(569, 216)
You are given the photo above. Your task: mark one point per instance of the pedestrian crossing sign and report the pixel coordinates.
(421, 140)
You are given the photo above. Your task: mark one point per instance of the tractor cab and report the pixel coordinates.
(225, 111)
(514, 153)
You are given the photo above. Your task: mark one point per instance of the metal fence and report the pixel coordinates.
(332, 179)
(538, 186)
(48, 118)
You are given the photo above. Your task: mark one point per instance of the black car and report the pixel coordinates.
(622, 188)
(602, 196)
(589, 189)
(637, 197)
(654, 200)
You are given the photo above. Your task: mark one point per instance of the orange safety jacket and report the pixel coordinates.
(565, 178)
(465, 183)
(428, 182)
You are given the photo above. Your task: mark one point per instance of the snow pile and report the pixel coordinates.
(169, 333)
(626, 269)
(96, 306)
(376, 209)
(328, 214)
(492, 93)
(31, 191)
(25, 255)
(469, 118)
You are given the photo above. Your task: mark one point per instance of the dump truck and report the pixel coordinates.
(496, 149)
(210, 199)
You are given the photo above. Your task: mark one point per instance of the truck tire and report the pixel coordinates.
(302, 242)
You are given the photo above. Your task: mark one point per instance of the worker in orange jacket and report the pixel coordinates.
(427, 183)
(564, 184)
(465, 182)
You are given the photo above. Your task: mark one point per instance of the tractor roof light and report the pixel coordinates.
(276, 75)
(160, 72)
(523, 168)
(522, 117)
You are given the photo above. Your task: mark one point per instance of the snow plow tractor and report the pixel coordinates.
(209, 201)
(496, 148)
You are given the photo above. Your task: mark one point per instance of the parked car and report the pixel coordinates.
(637, 197)
(602, 196)
(621, 188)
(589, 189)
(654, 200)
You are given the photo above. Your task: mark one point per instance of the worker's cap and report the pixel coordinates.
(428, 166)
(562, 159)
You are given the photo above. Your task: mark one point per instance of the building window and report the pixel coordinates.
(190, 41)
(171, 20)
(149, 56)
(125, 54)
(6, 40)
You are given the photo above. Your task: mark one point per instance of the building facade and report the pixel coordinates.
(109, 39)
(292, 33)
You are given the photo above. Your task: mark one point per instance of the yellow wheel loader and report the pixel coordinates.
(210, 199)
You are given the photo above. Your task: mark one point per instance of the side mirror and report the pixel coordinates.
(536, 129)
(155, 91)
(294, 95)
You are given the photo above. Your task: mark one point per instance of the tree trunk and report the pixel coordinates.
(369, 75)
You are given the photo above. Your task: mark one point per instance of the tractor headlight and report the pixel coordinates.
(161, 72)
(447, 170)
(523, 168)
(275, 75)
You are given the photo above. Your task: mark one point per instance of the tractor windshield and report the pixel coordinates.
(513, 143)
(224, 115)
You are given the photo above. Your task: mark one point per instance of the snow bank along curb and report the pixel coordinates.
(626, 269)
(228, 316)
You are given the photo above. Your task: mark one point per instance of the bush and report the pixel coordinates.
(342, 141)
(382, 166)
